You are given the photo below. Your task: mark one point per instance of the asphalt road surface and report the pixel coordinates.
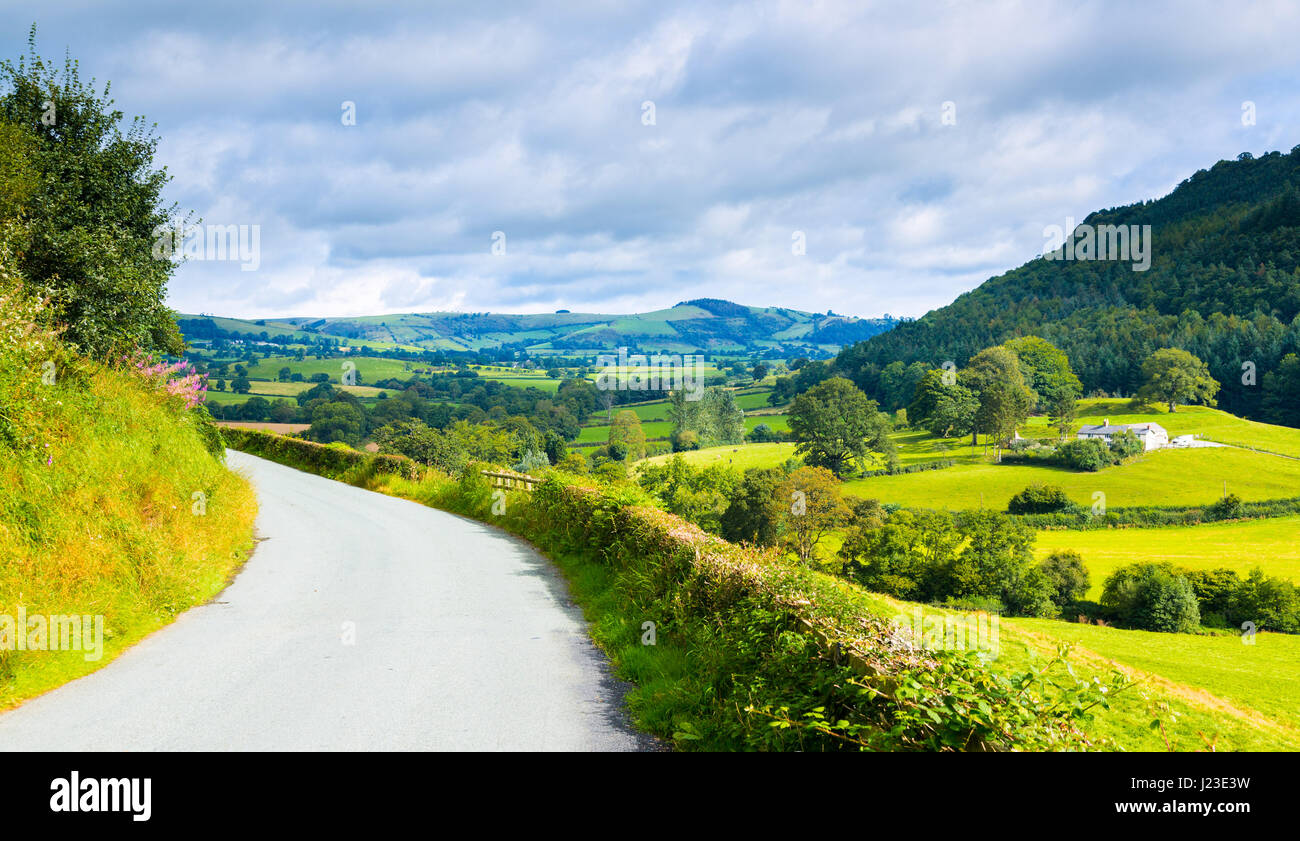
(361, 622)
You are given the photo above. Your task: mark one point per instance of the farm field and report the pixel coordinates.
(371, 368)
(1273, 544)
(1263, 677)
(1211, 683)
(740, 456)
(1163, 477)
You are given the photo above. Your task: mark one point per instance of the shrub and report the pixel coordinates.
(684, 440)
(1068, 575)
(1040, 499)
(1227, 508)
(1153, 597)
(1086, 454)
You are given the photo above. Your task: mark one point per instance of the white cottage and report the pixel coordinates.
(1152, 435)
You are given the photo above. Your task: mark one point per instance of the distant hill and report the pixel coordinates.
(705, 324)
(1223, 283)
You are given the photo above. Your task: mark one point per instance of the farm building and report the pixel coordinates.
(1152, 435)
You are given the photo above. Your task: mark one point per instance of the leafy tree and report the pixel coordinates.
(1068, 576)
(1004, 399)
(897, 555)
(626, 430)
(1152, 597)
(88, 242)
(750, 516)
(1281, 399)
(836, 426)
(285, 373)
(240, 385)
(337, 421)
(807, 507)
(1173, 376)
(1046, 371)
(945, 409)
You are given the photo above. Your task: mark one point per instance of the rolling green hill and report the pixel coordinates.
(705, 324)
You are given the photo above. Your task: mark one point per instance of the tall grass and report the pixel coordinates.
(99, 513)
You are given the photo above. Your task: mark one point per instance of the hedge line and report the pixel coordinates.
(1151, 515)
(782, 657)
(334, 462)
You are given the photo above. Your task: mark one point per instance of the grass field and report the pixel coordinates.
(371, 368)
(1165, 477)
(742, 456)
(1263, 677)
(1213, 685)
(1273, 544)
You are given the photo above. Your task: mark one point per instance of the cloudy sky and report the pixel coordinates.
(626, 156)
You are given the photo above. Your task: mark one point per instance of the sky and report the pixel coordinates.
(866, 158)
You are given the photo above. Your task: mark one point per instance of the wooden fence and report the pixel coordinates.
(510, 481)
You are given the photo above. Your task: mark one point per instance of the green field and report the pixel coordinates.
(1163, 477)
(1273, 544)
(371, 368)
(1263, 677)
(740, 456)
(1214, 685)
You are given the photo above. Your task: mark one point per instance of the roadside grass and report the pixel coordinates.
(1161, 477)
(1273, 544)
(109, 526)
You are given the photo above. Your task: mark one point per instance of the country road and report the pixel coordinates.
(461, 638)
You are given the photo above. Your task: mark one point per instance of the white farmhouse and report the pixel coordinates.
(1152, 435)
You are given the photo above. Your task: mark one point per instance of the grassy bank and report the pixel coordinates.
(111, 503)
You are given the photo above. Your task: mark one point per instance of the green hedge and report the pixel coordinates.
(332, 461)
(1150, 515)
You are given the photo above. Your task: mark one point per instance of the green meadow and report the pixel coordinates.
(1273, 544)
(1163, 477)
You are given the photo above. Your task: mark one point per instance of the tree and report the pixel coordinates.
(1281, 400)
(240, 385)
(1064, 408)
(337, 422)
(1004, 399)
(1152, 597)
(807, 507)
(626, 431)
(726, 420)
(836, 426)
(1068, 576)
(1046, 371)
(285, 373)
(750, 516)
(759, 371)
(89, 242)
(1173, 376)
(945, 408)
